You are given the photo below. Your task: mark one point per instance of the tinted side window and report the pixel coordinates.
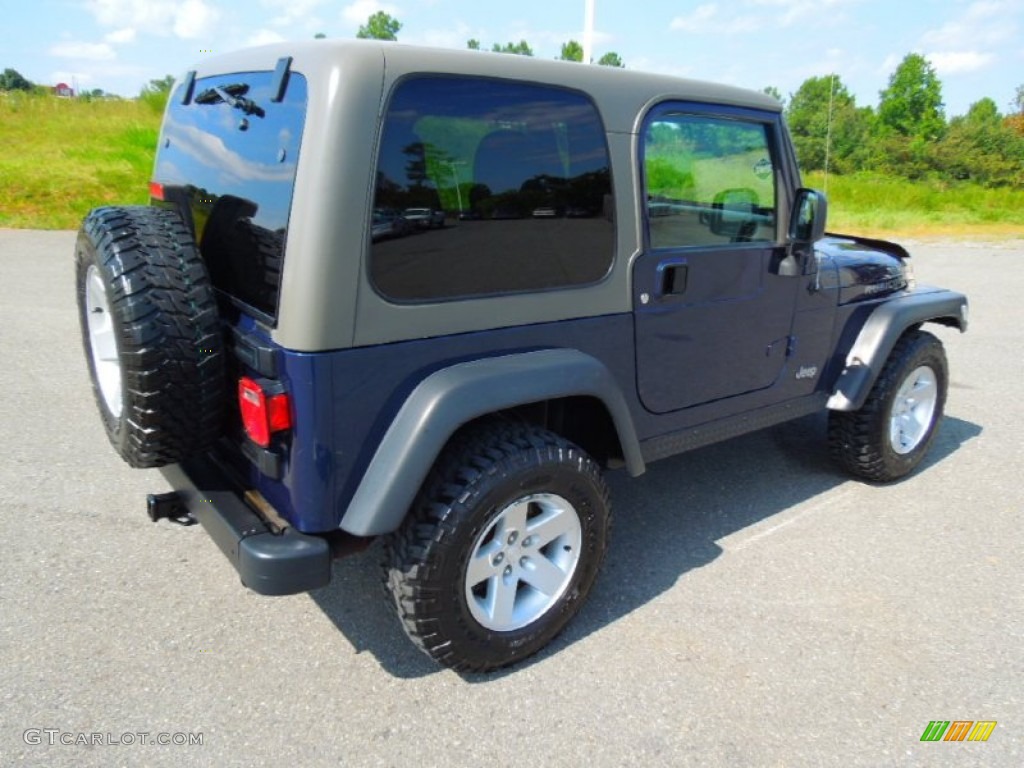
(516, 183)
(710, 181)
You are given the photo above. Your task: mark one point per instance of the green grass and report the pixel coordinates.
(62, 157)
(870, 204)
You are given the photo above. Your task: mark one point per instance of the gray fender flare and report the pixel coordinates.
(449, 398)
(879, 335)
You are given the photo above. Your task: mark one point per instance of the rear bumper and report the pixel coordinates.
(268, 562)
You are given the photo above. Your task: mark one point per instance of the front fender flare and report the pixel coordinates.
(453, 396)
(879, 335)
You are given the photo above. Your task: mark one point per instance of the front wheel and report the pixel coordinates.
(501, 548)
(891, 433)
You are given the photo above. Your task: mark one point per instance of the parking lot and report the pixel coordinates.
(757, 607)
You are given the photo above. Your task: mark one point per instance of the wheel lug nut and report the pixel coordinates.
(498, 558)
(524, 561)
(512, 537)
(528, 541)
(508, 570)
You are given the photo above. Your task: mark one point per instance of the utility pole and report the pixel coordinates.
(588, 32)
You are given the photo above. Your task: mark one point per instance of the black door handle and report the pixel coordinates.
(671, 277)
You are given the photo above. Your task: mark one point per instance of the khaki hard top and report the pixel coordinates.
(326, 300)
(621, 94)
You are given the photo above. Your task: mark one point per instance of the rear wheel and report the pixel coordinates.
(151, 334)
(891, 433)
(501, 548)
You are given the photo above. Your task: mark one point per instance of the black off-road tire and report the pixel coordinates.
(480, 474)
(166, 328)
(860, 442)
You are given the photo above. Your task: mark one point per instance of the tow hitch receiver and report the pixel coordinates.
(169, 506)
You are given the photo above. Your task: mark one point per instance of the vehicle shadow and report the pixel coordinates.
(666, 523)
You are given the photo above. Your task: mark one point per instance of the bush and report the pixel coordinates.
(156, 94)
(12, 80)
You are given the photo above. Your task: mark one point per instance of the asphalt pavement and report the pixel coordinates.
(757, 607)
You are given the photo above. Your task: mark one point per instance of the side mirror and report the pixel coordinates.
(807, 226)
(810, 210)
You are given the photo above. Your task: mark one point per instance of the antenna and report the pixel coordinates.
(828, 130)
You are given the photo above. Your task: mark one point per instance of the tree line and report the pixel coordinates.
(156, 91)
(908, 135)
(384, 26)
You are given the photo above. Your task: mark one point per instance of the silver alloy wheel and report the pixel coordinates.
(523, 562)
(913, 410)
(102, 342)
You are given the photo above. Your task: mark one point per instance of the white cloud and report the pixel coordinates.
(74, 79)
(449, 37)
(702, 18)
(889, 64)
(359, 11)
(189, 19)
(543, 42)
(264, 37)
(291, 11)
(193, 19)
(126, 35)
(86, 51)
(103, 74)
(758, 15)
(789, 12)
(957, 62)
(983, 23)
(152, 16)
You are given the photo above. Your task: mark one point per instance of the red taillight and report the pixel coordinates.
(156, 190)
(262, 414)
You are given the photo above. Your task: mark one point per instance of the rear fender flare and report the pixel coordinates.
(449, 398)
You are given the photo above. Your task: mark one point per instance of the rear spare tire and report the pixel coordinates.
(151, 333)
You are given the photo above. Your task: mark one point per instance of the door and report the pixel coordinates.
(712, 314)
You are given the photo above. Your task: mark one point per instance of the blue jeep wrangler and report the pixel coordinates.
(626, 267)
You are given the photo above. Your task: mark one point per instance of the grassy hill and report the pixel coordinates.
(61, 157)
(872, 204)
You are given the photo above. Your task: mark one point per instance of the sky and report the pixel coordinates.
(976, 46)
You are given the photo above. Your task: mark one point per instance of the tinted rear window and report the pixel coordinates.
(235, 171)
(521, 175)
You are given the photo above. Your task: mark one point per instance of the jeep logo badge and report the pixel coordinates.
(807, 372)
